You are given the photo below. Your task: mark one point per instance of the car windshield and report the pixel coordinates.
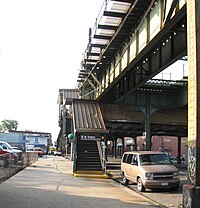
(5, 145)
(154, 159)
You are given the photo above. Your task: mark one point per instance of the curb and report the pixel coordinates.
(90, 174)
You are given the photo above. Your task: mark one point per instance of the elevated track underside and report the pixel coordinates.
(136, 41)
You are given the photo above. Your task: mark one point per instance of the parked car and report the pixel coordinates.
(16, 148)
(30, 150)
(149, 169)
(39, 151)
(4, 157)
(8, 149)
(2, 151)
(57, 153)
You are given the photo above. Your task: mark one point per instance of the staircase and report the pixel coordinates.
(113, 167)
(88, 158)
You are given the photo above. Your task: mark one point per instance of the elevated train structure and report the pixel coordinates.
(133, 41)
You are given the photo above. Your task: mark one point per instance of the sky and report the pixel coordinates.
(41, 47)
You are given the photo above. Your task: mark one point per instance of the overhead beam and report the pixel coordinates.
(114, 14)
(83, 74)
(98, 45)
(104, 37)
(91, 60)
(93, 54)
(107, 27)
(126, 1)
(87, 65)
(84, 71)
(80, 80)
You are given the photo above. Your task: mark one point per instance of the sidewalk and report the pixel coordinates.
(49, 183)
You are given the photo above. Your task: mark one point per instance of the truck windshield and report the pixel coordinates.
(154, 159)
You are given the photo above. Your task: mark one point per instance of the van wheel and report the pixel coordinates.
(125, 181)
(140, 186)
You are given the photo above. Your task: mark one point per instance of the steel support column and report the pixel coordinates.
(123, 146)
(135, 142)
(106, 146)
(115, 148)
(191, 192)
(179, 150)
(64, 138)
(148, 123)
(147, 113)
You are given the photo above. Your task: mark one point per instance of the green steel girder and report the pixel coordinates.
(161, 52)
(159, 100)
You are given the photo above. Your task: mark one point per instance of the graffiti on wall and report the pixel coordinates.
(187, 200)
(192, 164)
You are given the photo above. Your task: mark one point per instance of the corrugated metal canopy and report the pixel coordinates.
(87, 117)
(70, 94)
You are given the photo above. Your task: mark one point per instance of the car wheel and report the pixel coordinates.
(125, 181)
(174, 188)
(140, 186)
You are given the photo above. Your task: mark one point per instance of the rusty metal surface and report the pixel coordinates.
(88, 117)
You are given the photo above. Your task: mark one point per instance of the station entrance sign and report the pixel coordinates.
(90, 138)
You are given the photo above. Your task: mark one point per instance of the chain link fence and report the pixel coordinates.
(10, 164)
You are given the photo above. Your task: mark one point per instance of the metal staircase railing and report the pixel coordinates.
(101, 149)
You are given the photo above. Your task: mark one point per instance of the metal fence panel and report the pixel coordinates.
(10, 164)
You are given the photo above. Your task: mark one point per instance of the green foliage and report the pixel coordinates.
(7, 125)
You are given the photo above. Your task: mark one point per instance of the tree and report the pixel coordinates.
(7, 125)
